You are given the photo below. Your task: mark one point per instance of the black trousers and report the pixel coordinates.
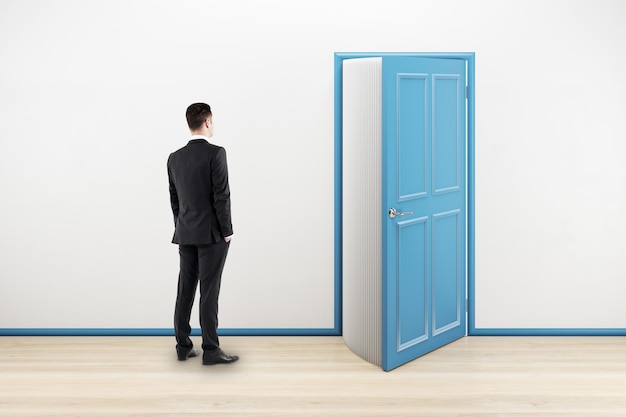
(203, 264)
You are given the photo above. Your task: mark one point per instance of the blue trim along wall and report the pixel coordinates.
(164, 332)
(547, 332)
(470, 59)
(338, 123)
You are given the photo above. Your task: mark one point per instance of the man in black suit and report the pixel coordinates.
(200, 198)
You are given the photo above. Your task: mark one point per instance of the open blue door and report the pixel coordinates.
(424, 206)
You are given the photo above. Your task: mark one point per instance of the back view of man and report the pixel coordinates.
(200, 199)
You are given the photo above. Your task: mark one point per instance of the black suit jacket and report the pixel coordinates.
(199, 193)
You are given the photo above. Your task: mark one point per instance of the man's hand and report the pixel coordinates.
(227, 238)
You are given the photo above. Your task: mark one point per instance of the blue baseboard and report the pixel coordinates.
(165, 332)
(293, 332)
(547, 332)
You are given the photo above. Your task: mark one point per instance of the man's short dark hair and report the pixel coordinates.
(197, 113)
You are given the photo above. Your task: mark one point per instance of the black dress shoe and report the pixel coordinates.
(190, 353)
(217, 356)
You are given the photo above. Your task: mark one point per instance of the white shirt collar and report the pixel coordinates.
(199, 137)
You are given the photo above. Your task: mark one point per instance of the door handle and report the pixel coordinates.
(394, 213)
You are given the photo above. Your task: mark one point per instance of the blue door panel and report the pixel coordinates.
(412, 290)
(447, 282)
(446, 132)
(411, 93)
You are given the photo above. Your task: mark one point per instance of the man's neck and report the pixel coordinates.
(200, 132)
(199, 136)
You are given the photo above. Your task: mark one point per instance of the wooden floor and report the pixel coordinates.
(312, 376)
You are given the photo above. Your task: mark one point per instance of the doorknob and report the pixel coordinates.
(394, 213)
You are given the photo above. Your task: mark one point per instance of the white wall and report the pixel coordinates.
(92, 100)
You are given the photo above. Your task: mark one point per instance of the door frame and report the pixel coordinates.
(469, 58)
